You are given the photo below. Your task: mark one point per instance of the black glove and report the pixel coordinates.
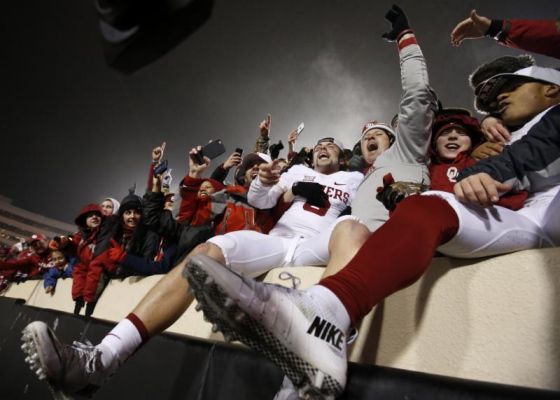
(394, 192)
(312, 191)
(399, 23)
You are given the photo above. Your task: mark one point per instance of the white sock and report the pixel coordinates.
(120, 343)
(328, 301)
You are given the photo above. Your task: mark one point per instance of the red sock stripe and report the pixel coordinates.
(140, 326)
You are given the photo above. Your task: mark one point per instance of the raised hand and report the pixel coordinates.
(399, 23)
(269, 173)
(157, 153)
(196, 169)
(233, 160)
(474, 27)
(265, 125)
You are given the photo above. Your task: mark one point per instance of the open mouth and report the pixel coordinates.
(452, 146)
(372, 146)
(322, 156)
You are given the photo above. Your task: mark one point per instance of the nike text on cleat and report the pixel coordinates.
(67, 369)
(286, 325)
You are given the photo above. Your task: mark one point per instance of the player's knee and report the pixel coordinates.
(350, 230)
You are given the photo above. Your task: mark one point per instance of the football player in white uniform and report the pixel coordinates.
(302, 236)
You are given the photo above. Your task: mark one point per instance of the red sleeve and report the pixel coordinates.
(189, 198)
(150, 177)
(538, 36)
(27, 263)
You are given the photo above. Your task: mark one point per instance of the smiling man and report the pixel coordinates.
(318, 197)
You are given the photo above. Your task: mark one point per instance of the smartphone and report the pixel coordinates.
(239, 151)
(160, 168)
(300, 128)
(211, 150)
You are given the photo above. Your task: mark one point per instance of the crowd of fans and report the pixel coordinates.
(141, 236)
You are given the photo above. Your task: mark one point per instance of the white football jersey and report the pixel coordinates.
(303, 219)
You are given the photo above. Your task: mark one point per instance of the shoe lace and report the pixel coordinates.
(285, 276)
(88, 353)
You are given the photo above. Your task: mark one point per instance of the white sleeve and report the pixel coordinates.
(265, 197)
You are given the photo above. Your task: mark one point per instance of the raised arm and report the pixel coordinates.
(418, 103)
(267, 187)
(538, 36)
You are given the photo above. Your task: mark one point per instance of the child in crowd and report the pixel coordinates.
(89, 244)
(59, 267)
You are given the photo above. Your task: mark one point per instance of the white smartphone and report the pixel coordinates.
(300, 128)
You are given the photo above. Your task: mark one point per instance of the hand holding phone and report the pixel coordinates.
(300, 128)
(161, 167)
(212, 150)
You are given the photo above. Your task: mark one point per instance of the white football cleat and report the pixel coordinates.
(288, 326)
(68, 369)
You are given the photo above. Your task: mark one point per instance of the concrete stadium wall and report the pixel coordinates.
(494, 319)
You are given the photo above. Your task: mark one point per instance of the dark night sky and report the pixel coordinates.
(75, 131)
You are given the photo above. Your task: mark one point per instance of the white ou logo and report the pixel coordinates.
(452, 173)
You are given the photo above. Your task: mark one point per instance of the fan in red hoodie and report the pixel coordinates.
(455, 133)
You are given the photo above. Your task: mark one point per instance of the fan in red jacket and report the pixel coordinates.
(29, 262)
(208, 201)
(90, 244)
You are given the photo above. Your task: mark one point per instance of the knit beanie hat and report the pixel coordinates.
(130, 201)
(87, 209)
(448, 117)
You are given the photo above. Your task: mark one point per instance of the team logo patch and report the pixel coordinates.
(452, 173)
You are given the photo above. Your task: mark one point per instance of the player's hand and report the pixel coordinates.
(269, 173)
(157, 153)
(264, 126)
(399, 23)
(494, 130)
(233, 160)
(313, 192)
(292, 137)
(487, 149)
(474, 27)
(393, 192)
(480, 189)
